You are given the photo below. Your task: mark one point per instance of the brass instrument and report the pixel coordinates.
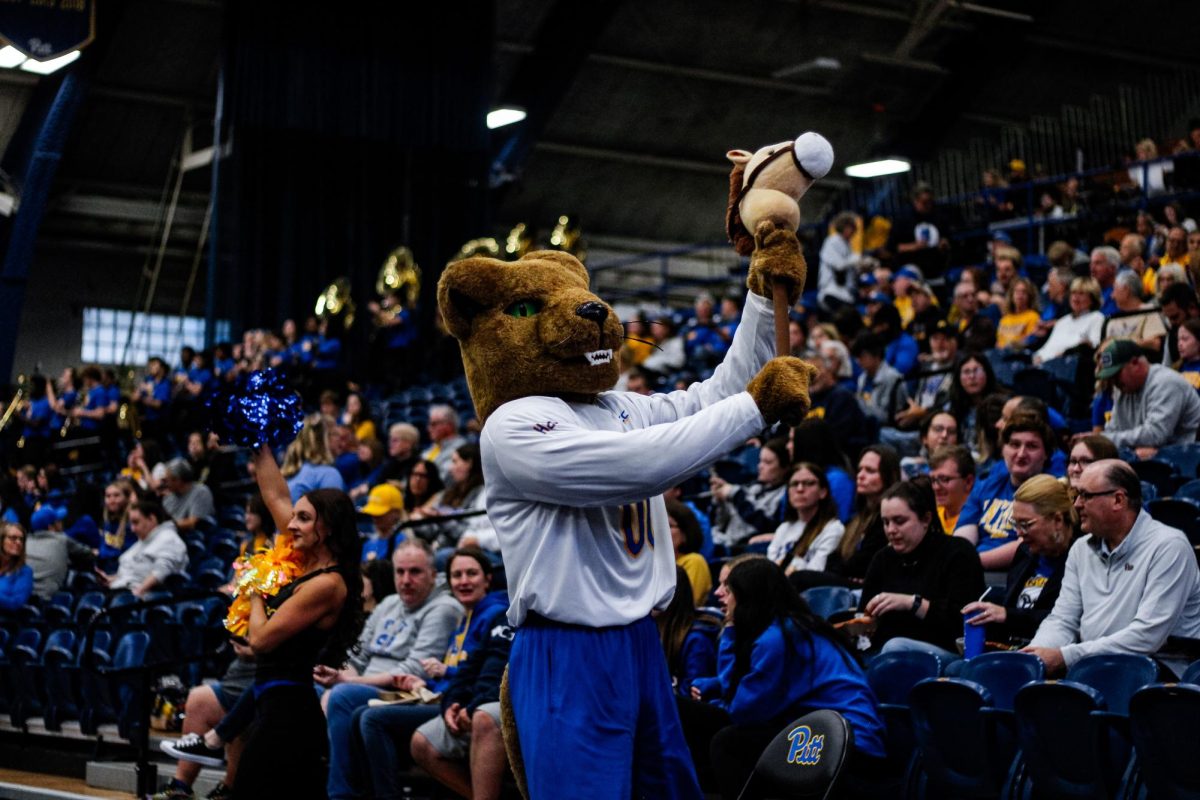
(568, 237)
(81, 401)
(128, 418)
(478, 247)
(335, 301)
(15, 404)
(518, 242)
(400, 274)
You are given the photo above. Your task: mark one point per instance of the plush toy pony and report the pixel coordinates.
(574, 477)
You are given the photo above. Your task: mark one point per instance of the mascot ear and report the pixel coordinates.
(739, 157)
(562, 259)
(461, 283)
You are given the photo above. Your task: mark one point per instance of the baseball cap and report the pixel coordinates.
(867, 279)
(910, 271)
(944, 328)
(1001, 236)
(46, 516)
(879, 297)
(1115, 355)
(382, 499)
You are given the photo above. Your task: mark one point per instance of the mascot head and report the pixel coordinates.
(529, 327)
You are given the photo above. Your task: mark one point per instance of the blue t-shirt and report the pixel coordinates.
(68, 400)
(15, 588)
(160, 391)
(989, 506)
(314, 476)
(902, 353)
(97, 399)
(37, 419)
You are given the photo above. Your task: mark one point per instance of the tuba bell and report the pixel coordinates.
(335, 303)
(400, 274)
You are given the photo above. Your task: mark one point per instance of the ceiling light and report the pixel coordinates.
(874, 169)
(11, 57)
(506, 115)
(53, 65)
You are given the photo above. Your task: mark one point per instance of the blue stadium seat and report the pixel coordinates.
(224, 548)
(779, 774)
(959, 756)
(212, 573)
(24, 654)
(130, 653)
(90, 604)
(1184, 457)
(1192, 674)
(59, 668)
(1179, 514)
(892, 677)
(1002, 674)
(1160, 473)
(1060, 738)
(1117, 677)
(58, 611)
(1191, 489)
(1167, 739)
(826, 601)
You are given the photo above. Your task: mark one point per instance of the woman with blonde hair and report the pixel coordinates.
(1021, 315)
(1082, 326)
(307, 463)
(1046, 522)
(115, 534)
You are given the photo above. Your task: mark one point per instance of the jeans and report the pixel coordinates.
(900, 644)
(386, 733)
(344, 700)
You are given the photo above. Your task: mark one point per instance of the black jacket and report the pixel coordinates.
(1022, 623)
(944, 570)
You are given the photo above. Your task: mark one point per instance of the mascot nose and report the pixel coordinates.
(596, 312)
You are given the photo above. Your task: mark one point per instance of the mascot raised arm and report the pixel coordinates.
(574, 476)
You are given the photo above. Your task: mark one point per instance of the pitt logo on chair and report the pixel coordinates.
(806, 748)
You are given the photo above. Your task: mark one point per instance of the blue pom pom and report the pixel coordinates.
(260, 409)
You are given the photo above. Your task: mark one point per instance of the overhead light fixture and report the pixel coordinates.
(505, 115)
(53, 65)
(11, 57)
(818, 63)
(875, 169)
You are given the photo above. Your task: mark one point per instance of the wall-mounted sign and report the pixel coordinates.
(46, 29)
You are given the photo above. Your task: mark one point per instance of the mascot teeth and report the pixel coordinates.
(598, 357)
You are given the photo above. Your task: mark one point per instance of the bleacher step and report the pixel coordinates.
(121, 776)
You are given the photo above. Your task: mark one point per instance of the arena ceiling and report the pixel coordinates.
(634, 104)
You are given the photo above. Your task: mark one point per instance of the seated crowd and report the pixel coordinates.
(980, 431)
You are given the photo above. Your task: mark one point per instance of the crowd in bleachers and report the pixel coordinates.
(945, 469)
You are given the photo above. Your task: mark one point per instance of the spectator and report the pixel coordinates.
(1188, 364)
(776, 661)
(977, 331)
(1177, 249)
(1105, 262)
(1149, 177)
(704, 342)
(1045, 520)
(1021, 315)
(259, 530)
(824, 339)
(467, 677)
(357, 417)
(385, 507)
(637, 346)
(443, 432)
(669, 356)
(1134, 319)
(986, 518)
(157, 554)
(687, 642)
(114, 521)
(377, 583)
(1170, 275)
(16, 577)
(973, 382)
(1007, 267)
(1154, 405)
(1128, 585)
(403, 632)
(903, 282)
(811, 530)
(344, 449)
(1178, 304)
(49, 552)
(1086, 450)
(1081, 327)
(1193, 256)
(878, 468)
(838, 274)
(37, 420)
(464, 494)
(424, 483)
(934, 381)
(1133, 256)
(812, 440)
(881, 388)
(307, 463)
(837, 407)
(742, 511)
(187, 501)
(687, 539)
(153, 398)
(901, 349)
(917, 585)
(920, 235)
(1055, 297)
(925, 317)
(402, 442)
(952, 474)
(938, 429)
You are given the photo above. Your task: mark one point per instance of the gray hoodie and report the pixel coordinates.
(396, 639)
(1166, 411)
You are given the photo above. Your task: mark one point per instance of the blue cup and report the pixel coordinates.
(974, 637)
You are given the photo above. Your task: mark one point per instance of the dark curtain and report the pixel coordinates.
(354, 130)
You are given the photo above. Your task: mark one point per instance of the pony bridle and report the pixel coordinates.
(749, 184)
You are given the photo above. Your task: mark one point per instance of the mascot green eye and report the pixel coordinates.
(524, 308)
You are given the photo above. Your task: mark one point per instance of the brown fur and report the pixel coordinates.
(508, 357)
(739, 237)
(512, 745)
(780, 389)
(777, 255)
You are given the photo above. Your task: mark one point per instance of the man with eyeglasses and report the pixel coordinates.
(986, 518)
(1128, 586)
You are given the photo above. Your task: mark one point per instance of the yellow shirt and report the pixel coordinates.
(1013, 328)
(699, 574)
(1150, 281)
(365, 431)
(948, 523)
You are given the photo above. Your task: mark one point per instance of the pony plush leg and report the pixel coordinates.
(512, 744)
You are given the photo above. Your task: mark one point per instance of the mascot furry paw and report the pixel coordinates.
(574, 476)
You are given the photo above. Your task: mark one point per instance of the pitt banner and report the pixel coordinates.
(46, 29)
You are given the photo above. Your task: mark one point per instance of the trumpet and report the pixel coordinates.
(15, 404)
(128, 419)
(81, 401)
